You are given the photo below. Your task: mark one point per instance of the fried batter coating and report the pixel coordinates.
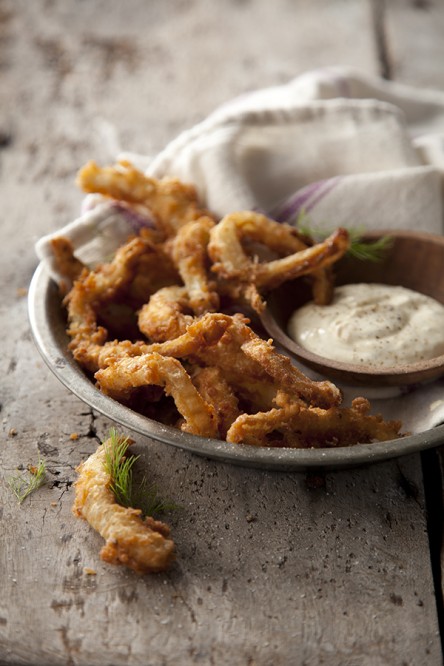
(250, 365)
(322, 285)
(119, 380)
(171, 202)
(138, 269)
(289, 378)
(255, 429)
(216, 391)
(165, 316)
(232, 263)
(189, 253)
(91, 290)
(226, 241)
(203, 332)
(154, 270)
(66, 263)
(140, 544)
(305, 427)
(257, 372)
(226, 381)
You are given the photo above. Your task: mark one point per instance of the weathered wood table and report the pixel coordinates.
(272, 568)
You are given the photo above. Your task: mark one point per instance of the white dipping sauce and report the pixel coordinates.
(372, 324)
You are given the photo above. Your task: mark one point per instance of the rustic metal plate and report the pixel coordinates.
(48, 327)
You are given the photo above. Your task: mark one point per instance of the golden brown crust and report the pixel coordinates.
(298, 426)
(227, 249)
(189, 253)
(121, 378)
(171, 202)
(141, 545)
(214, 388)
(66, 263)
(166, 315)
(224, 378)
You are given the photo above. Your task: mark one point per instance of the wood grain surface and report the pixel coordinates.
(272, 568)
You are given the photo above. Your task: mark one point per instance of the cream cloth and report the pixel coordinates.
(346, 148)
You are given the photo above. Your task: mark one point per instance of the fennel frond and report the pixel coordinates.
(369, 250)
(360, 249)
(22, 485)
(119, 465)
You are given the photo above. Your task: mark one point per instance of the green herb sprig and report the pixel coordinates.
(363, 250)
(23, 485)
(119, 465)
(369, 250)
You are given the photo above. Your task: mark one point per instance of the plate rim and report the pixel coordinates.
(69, 373)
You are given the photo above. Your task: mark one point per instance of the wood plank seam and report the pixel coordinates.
(433, 495)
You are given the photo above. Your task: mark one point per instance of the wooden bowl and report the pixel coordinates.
(415, 260)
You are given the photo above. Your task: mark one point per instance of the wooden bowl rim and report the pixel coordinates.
(396, 375)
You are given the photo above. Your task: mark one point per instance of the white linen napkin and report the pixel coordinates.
(346, 148)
